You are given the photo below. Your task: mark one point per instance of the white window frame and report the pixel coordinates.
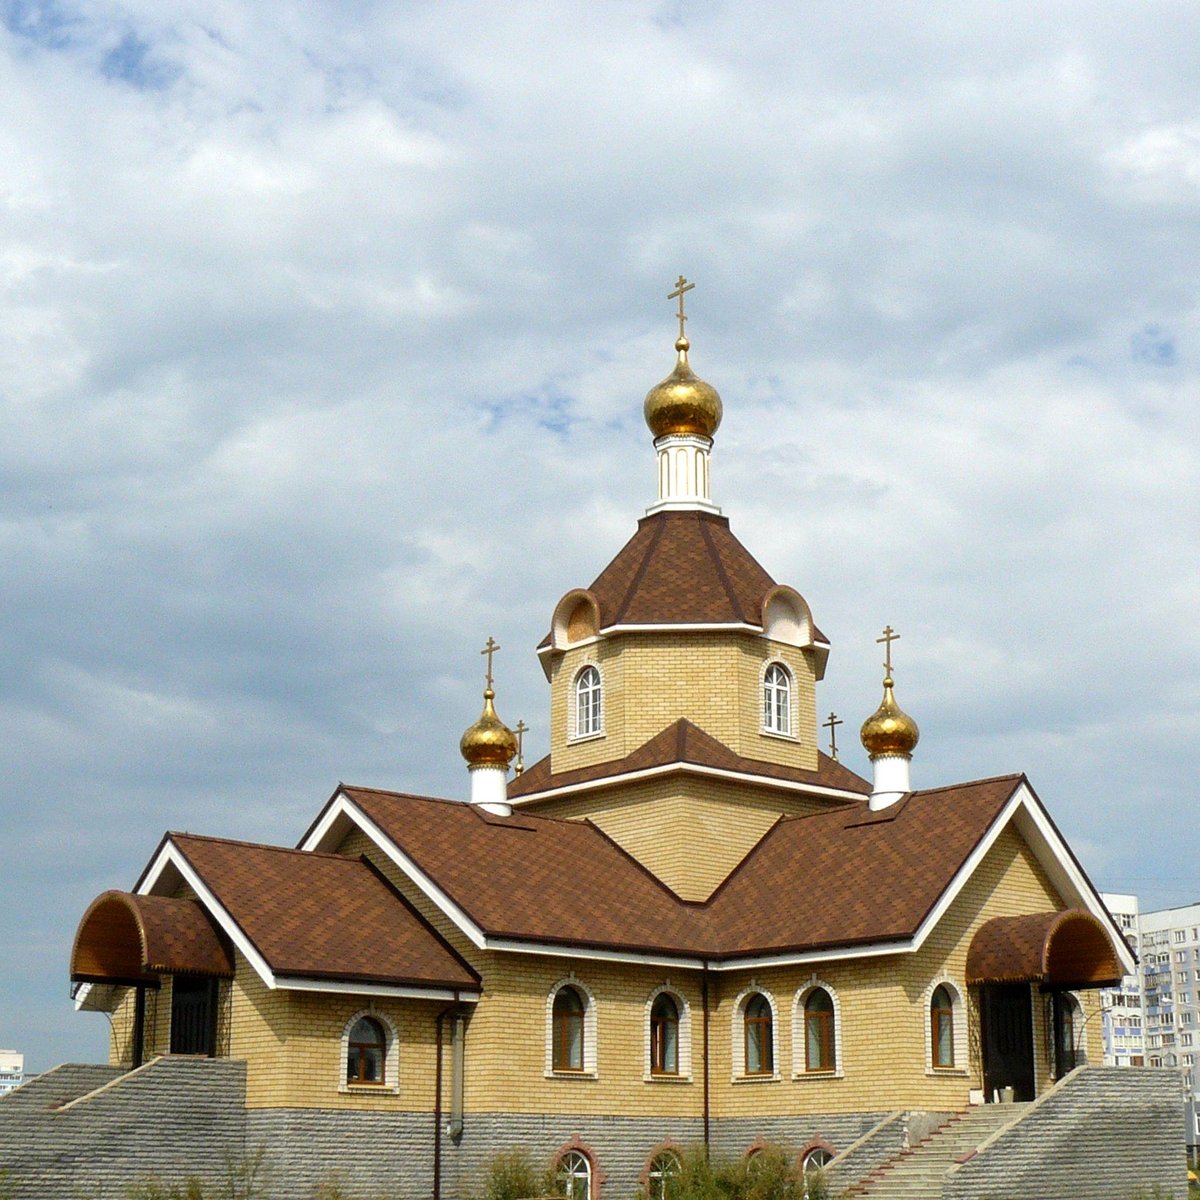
(574, 733)
(391, 1057)
(684, 1033)
(768, 698)
(738, 1035)
(958, 1016)
(590, 1058)
(800, 1032)
(564, 1174)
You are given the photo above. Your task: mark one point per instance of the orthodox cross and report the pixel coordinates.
(490, 649)
(520, 731)
(889, 636)
(681, 286)
(832, 724)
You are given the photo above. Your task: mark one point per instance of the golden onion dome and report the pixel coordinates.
(489, 742)
(683, 403)
(889, 729)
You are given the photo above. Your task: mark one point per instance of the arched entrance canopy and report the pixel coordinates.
(1070, 949)
(125, 938)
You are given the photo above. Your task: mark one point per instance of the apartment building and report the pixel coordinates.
(12, 1071)
(1122, 1012)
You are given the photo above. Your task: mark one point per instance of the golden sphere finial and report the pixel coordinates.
(889, 729)
(682, 403)
(489, 742)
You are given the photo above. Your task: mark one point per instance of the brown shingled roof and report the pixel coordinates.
(682, 568)
(839, 878)
(1031, 948)
(323, 916)
(686, 744)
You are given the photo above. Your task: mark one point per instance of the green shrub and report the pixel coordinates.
(511, 1175)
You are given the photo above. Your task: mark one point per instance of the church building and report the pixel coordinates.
(686, 926)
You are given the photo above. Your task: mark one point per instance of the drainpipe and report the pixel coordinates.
(457, 1040)
(704, 1011)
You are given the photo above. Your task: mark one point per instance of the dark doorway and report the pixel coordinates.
(194, 1015)
(1006, 1020)
(1065, 1018)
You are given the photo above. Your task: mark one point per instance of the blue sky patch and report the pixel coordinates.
(1153, 345)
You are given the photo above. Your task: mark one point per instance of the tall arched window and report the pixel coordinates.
(664, 1036)
(568, 1030)
(819, 1046)
(941, 1026)
(573, 1175)
(777, 699)
(366, 1052)
(662, 1176)
(589, 712)
(760, 1049)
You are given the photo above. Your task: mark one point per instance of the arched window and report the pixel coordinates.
(662, 1176)
(573, 1174)
(760, 1042)
(941, 1027)
(569, 1009)
(664, 1036)
(366, 1052)
(777, 699)
(589, 712)
(819, 1045)
(812, 1163)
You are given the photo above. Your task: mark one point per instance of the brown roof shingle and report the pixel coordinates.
(839, 878)
(682, 568)
(684, 743)
(323, 916)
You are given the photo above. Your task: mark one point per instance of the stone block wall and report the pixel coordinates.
(88, 1133)
(1105, 1133)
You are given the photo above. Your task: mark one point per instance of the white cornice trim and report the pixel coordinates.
(697, 627)
(341, 806)
(642, 958)
(800, 958)
(297, 983)
(171, 855)
(787, 785)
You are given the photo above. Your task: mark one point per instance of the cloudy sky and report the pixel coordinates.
(324, 333)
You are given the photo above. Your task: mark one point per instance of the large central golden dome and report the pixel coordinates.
(683, 403)
(489, 742)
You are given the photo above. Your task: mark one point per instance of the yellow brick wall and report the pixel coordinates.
(651, 680)
(690, 832)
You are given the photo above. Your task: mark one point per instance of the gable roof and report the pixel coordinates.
(682, 568)
(313, 916)
(840, 883)
(683, 744)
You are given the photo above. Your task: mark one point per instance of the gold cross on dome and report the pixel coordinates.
(490, 649)
(521, 730)
(681, 286)
(889, 636)
(832, 724)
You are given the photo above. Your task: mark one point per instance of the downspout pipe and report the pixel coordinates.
(704, 1011)
(437, 1100)
(457, 1041)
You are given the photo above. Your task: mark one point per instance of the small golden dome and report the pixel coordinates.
(889, 729)
(683, 403)
(489, 742)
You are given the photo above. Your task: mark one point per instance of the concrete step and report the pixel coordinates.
(917, 1173)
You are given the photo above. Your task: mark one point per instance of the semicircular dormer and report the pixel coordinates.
(576, 618)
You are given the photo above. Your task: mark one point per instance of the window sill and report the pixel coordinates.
(947, 1072)
(817, 1076)
(781, 737)
(774, 1078)
(369, 1089)
(576, 738)
(651, 1077)
(571, 1074)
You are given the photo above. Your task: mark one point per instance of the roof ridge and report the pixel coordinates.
(741, 862)
(641, 866)
(719, 566)
(638, 575)
(204, 837)
(354, 787)
(958, 787)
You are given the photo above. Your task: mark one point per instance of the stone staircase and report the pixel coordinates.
(917, 1173)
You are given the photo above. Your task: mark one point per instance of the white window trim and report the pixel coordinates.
(738, 1036)
(800, 1032)
(685, 1037)
(590, 1058)
(767, 731)
(573, 734)
(391, 1058)
(958, 1016)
